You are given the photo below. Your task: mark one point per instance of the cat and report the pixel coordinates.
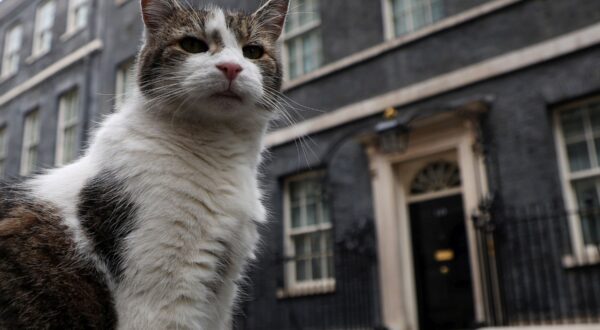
(152, 228)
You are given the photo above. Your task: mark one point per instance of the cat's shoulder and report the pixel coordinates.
(42, 281)
(19, 210)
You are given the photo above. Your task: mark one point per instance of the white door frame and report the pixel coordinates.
(443, 133)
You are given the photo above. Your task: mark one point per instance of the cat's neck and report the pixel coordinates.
(239, 139)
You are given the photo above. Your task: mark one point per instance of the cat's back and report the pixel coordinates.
(43, 285)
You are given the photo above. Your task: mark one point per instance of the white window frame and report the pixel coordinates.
(124, 82)
(3, 149)
(39, 48)
(11, 57)
(68, 99)
(389, 25)
(581, 253)
(292, 286)
(30, 130)
(289, 36)
(72, 17)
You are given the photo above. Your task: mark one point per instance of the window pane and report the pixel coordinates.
(578, 156)
(302, 246)
(293, 59)
(302, 270)
(401, 23)
(308, 11)
(324, 211)
(328, 242)
(315, 244)
(69, 149)
(311, 213)
(594, 111)
(81, 14)
(311, 51)
(572, 124)
(32, 159)
(589, 205)
(317, 272)
(330, 271)
(295, 191)
(587, 196)
(411, 15)
(296, 217)
(437, 10)
(420, 15)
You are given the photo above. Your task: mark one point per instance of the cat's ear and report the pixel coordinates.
(154, 12)
(271, 16)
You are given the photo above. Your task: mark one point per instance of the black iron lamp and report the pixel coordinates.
(393, 135)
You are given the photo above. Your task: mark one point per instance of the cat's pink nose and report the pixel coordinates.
(230, 70)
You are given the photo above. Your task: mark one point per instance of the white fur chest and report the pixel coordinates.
(195, 228)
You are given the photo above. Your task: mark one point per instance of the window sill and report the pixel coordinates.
(34, 57)
(307, 289)
(71, 33)
(589, 256)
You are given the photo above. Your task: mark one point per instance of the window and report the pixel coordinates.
(12, 50)
(302, 38)
(435, 177)
(124, 83)
(308, 232)
(579, 134)
(44, 22)
(31, 140)
(406, 16)
(3, 147)
(78, 15)
(68, 120)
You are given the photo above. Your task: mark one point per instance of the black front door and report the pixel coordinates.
(442, 270)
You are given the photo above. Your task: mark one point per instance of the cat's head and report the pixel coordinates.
(207, 60)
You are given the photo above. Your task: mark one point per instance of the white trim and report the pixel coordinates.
(123, 81)
(38, 49)
(382, 48)
(388, 20)
(409, 17)
(50, 71)
(72, 27)
(68, 99)
(291, 37)
(450, 138)
(8, 71)
(292, 288)
(31, 126)
(579, 249)
(302, 30)
(494, 67)
(307, 289)
(434, 195)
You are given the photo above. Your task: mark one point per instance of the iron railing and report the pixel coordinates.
(353, 303)
(540, 265)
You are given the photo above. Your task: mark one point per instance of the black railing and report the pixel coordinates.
(540, 265)
(352, 303)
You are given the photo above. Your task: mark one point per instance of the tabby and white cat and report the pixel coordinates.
(152, 227)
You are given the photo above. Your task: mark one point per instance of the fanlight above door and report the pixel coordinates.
(434, 177)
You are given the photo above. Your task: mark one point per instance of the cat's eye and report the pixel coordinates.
(193, 45)
(253, 52)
